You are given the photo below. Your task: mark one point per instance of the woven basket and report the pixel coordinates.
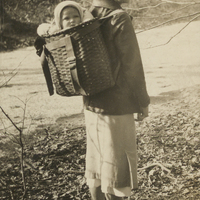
(78, 60)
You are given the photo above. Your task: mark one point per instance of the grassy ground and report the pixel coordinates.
(168, 152)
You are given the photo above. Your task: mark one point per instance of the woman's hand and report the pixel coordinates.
(144, 113)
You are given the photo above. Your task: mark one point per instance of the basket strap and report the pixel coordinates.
(71, 59)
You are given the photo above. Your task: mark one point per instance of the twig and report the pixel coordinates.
(22, 149)
(165, 14)
(148, 7)
(26, 101)
(176, 33)
(22, 162)
(168, 22)
(5, 83)
(10, 126)
(21, 145)
(163, 2)
(14, 140)
(180, 3)
(10, 119)
(155, 164)
(176, 10)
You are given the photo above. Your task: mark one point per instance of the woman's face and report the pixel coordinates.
(70, 17)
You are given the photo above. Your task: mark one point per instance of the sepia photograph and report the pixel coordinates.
(99, 100)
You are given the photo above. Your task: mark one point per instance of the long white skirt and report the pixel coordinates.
(111, 157)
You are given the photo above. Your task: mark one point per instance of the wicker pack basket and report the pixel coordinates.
(78, 60)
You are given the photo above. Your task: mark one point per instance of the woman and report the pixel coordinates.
(111, 158)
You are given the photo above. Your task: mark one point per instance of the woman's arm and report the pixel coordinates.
(129, 54)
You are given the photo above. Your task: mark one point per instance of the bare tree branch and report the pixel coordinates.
(182, 17)
(10, 119)
(163, 2)
(14, 139)
(5, 132)
(143, 8)
(24, 102)
(155, 164)
(176, 33)
(6, 82)
(180, 3)
(10, 126)
(170, 13)
(20, 130)
(165, 14)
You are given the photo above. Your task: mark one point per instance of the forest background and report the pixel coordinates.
(19, 19)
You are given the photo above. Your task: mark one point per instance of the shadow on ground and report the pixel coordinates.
(165, 97)
(73, 121)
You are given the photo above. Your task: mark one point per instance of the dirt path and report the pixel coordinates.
(29, 84)
(169, 67)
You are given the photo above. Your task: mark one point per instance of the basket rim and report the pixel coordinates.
(68, 30)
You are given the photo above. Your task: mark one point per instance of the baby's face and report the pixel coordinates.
(70, 17)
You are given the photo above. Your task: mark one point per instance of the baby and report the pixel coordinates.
(66, 15)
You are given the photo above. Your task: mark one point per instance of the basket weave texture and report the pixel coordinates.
(91, 61)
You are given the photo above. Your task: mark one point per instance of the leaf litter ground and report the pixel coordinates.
(168, 155)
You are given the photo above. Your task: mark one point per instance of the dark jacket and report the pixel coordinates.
(129, 93)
